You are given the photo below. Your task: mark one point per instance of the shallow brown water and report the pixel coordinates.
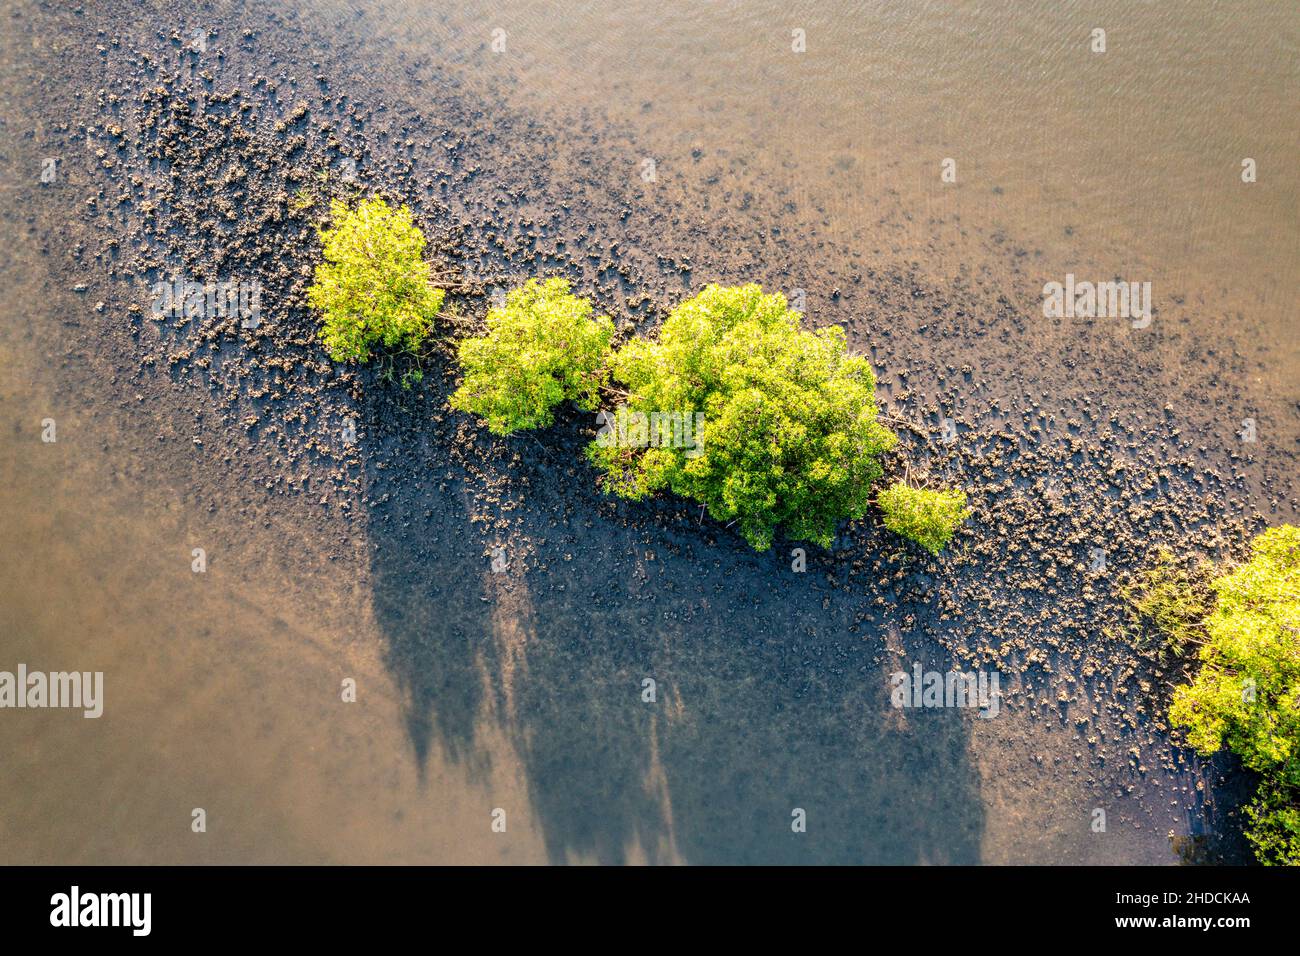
(1125, 164)
(1127, 161)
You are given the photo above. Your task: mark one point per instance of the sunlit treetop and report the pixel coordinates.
(789, 436)
(373, 288)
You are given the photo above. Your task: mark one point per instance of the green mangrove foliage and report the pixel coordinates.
(1274, 827)
(788, 433)
(780, 424)
(930, 518)
(1246, 693)
(373, 287)
(541, 349)
(733, 404)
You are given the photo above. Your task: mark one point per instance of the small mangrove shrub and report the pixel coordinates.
(930, 518)
(543, 348)
(1246, 694)
(1273, 826)
(787, 432)
(373, 288)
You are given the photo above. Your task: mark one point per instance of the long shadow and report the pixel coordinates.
(763, 702)
(428, 599)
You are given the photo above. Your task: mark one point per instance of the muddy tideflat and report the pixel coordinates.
(350, 527)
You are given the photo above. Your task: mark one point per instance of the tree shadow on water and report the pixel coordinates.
(426, 594)
(762, 705)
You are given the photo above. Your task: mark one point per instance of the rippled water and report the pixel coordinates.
(1128, 160)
